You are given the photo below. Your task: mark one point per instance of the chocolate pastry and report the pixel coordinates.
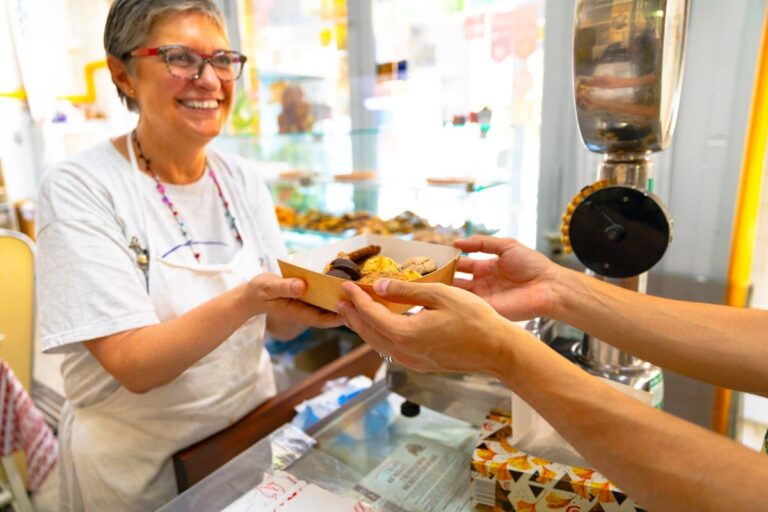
(348, 266)
(337, 272)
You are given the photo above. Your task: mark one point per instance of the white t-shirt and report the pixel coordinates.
(88, 280)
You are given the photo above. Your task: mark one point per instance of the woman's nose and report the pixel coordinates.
(206, 77)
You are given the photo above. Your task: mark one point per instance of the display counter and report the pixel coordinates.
(361, 450)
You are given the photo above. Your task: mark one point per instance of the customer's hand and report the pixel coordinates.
(517, 283)
(287, 316)
(456, 330)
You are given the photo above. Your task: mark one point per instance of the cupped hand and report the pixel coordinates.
(518, 282)
(455, 331)
(287, 316)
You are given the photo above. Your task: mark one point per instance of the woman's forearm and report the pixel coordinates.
(142, 359)
(663, 462)
(717, 344)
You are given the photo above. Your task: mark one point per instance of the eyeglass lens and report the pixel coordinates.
(187, 64)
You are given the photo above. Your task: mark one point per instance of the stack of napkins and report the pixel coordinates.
(282, 492)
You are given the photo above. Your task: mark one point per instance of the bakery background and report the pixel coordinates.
(429, 120)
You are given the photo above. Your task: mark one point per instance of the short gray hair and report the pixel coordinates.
(130, 22)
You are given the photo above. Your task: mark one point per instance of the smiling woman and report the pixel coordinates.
(170, 250)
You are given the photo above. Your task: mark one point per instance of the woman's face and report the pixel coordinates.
(177, 108)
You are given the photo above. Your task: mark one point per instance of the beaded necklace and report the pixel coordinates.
(167, 201)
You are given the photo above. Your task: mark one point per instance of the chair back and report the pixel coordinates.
(17, 303)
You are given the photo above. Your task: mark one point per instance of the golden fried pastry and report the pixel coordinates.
(378, 264)
(421, 264)
(390, 274)
(361, 254)
(411, 274)
(286, 216)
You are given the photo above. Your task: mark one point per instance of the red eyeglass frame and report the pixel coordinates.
(207, 58)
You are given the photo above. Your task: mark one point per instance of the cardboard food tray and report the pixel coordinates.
(325, 291)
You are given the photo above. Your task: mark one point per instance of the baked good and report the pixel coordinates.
(421, 264)
(348, 266)
(366, 252)
(374, 276)
(337, 272)
(378, 264)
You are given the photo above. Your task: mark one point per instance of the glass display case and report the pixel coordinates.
(390, 106)
(346, 453)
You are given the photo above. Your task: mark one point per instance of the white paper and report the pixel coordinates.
(282, 492)
(421, 475)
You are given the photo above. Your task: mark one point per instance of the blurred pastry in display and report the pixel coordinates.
(406, 222)
(356, 176)
(438, 235)
(286, 216)
(296, 116)
(361, 222)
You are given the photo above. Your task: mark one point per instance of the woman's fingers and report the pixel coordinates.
(305, 314)
(355, 321)
(275, 287)
(325, 319)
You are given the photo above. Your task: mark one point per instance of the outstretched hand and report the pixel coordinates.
(456, 330)
(518, 282)
(287, 316)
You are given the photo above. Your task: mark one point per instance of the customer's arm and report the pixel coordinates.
(664, 463)
(718, 344)
(723, 345)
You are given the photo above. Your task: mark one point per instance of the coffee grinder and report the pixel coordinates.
(628, 57)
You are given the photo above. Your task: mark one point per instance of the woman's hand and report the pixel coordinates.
(456, 330)
(287, 316)
(518, 283)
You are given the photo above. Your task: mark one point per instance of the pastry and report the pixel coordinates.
(366, 252)
(390, 274)
(348, 266)
(421, 264)
(337, 272)
(378, 264)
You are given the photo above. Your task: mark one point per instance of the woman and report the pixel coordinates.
(154, 252)
(661, 461)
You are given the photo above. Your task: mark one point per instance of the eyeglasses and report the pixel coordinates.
(187, 64)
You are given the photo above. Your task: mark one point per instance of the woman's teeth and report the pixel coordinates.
(203, 105)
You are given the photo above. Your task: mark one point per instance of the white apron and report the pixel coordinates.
(116, 453)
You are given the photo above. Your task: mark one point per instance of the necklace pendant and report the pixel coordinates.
(142, 258)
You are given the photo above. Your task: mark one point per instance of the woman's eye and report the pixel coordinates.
(181, 59)
(223, 60)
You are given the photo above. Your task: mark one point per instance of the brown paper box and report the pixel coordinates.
(325, 291)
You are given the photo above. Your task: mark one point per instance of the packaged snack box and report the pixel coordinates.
(324, 291)
(504, 478)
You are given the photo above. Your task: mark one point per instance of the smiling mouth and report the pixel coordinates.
(201, 104)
